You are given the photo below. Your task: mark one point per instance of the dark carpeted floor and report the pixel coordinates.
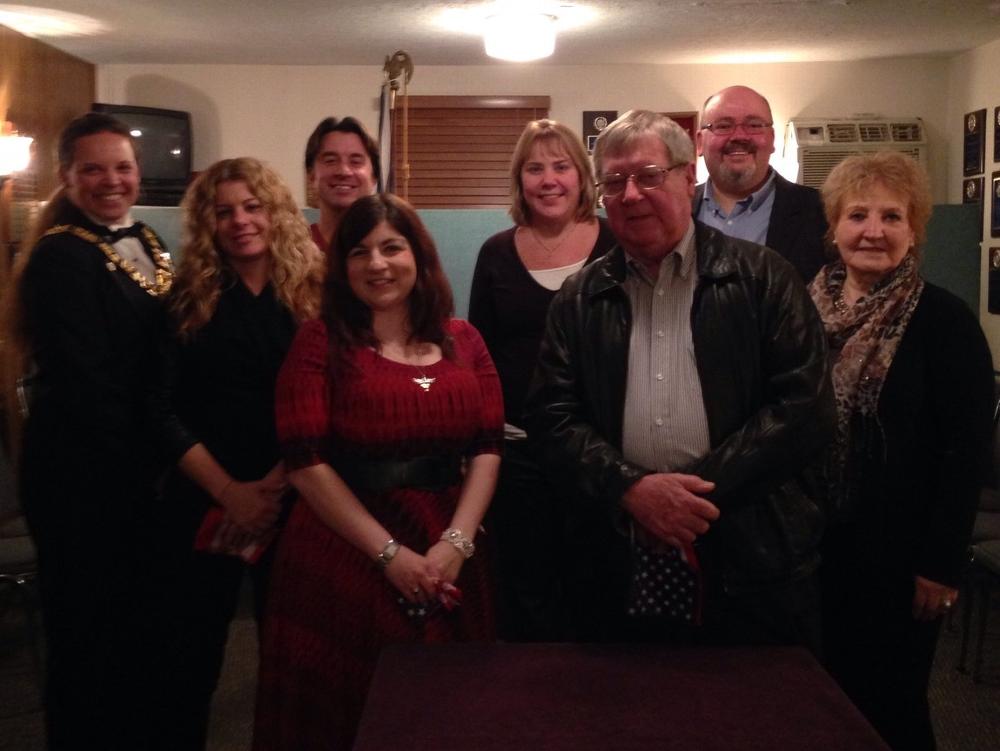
(966, 715)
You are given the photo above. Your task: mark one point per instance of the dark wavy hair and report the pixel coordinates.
(91, 124)
(343, 125)
(348, 320)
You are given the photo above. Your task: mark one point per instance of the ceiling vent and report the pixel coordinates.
(818, 145)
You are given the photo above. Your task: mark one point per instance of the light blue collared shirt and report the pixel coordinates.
(749, 218)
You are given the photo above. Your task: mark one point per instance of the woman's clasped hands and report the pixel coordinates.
(427, 579)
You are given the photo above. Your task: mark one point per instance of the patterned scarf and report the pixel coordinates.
(863, 339)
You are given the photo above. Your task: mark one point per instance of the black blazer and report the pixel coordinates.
(797, 225)
(91, 329)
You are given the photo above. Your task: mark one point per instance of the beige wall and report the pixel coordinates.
(268, 111)
(972, 85)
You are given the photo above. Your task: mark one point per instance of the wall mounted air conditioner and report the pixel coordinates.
(819, 144)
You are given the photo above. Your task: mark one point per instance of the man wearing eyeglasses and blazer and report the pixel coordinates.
(744, 197)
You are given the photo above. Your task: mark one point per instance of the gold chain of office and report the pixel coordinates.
(164, 271)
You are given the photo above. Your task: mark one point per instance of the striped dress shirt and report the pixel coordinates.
(665, 427)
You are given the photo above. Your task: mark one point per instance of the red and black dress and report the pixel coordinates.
(331, 609)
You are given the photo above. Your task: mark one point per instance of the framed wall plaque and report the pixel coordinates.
(993, 285)
(995, 205)
(996, 134)
(594, 121)
(974, 127)
(687, 120)
(972, 192)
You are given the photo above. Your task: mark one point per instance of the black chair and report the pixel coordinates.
(983, 573)
(984, 578)
(19, 566)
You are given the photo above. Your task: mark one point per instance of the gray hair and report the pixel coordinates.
(636, 124)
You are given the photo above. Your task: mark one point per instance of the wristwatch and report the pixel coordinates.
(388, 553)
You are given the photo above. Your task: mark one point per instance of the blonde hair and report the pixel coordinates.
(555, 135)
(15, 339)
(296, 263)
(896, 172)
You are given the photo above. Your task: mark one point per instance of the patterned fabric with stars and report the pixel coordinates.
(664, 586)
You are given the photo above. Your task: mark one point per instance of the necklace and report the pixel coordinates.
(164, 272)
(423, 382)
(555, 247)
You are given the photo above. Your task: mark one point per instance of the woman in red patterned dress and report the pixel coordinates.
(390, 416)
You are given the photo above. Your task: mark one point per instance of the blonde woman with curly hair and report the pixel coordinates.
(248, 275)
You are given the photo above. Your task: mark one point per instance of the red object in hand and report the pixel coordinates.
(449, 595)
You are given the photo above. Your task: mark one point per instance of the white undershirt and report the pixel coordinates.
(552, 279)
(130, 248)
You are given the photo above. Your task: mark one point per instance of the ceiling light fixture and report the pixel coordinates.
(519, 35)
(47, 22)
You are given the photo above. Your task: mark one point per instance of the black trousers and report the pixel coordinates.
(785, 615)
(524, 527)
(96, 584)
(207, 588)
(878, 653)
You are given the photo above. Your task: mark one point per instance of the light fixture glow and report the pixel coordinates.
(15, 154)
(519, 35)
(46, 22)
(135, 133)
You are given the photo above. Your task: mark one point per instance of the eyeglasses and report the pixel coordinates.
(728, 127)
(649, 177)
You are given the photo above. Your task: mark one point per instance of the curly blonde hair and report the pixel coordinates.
(296, 263)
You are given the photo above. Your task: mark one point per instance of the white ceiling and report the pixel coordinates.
(362, 32)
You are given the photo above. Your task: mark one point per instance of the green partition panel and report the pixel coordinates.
(951, 254)
(458, 235)
(952, 251)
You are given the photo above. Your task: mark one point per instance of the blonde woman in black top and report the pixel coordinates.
(517, 274)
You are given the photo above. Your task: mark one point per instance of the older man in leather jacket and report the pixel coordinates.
(680, 396)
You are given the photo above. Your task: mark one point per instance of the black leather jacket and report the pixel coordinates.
(761, 356)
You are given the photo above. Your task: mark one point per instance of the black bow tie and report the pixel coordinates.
(122, 232)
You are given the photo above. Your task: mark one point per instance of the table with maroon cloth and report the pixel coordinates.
(555, 697)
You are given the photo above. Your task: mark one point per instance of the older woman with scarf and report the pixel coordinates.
(914, 384)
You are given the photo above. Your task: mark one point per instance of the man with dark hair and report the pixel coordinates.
(681, 390)
(743, 196)
(342, 164)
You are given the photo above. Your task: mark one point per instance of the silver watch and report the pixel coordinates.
(388, 553)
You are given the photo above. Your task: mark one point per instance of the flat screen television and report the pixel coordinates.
(164, 141)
